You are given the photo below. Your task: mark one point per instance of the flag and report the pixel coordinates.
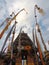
(39, 50)
(35, 48)
(7, 37)
(2, 24)
(37, 27)
(6, 20)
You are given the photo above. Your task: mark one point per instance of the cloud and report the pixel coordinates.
(48, 29)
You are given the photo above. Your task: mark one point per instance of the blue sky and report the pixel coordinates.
(26, 20)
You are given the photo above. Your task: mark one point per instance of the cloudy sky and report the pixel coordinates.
(27, 21)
